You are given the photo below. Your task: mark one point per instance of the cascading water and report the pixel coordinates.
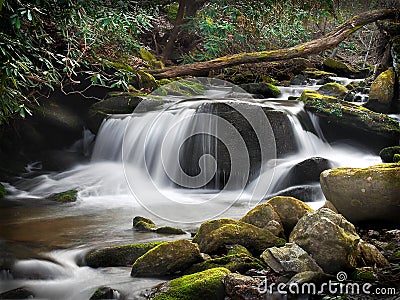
(135, 170)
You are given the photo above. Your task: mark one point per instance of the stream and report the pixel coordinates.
(133, 171)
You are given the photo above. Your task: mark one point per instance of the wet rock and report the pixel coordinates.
(167, 258)
(382, 92)
(19, 293)
(143, 224)
(184, 87)
(237, 249)
(333, 89)
(241, 287)
(203, 285)
(214, 235)
(351, 116)
(235, 263)
(3, 191)
(318, 74)
(290, 211)
(370, 256)
(105, 293)
(387, 154)
(65, 197)
(123, 256)
(329, 238)
(340, 68)
(264, 216)
(305, 193)
(364, 194)
(289, 259)
(169, 230)
(266, 90)
(299, 79)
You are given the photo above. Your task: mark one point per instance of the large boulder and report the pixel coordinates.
(167, 259)
(351, 117)
(290, 211)
(118, 256)
(290, 259)
(382, 92)
(333, 89)
(329, 238)
(264, 216)
(340, 68)
(364, 194)
(203, 285)
(387, 154)
(214, 235)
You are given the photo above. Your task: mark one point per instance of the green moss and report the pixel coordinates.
(338, 67)
(124, 255)
(365, 274)
(387, 154)
(169, 230)
(150, 59)
(3, 191)
(184, 87)
(144, 226)
(65, 197)
(317, 74)
(235, 263)
(203, 285)
(238, 249)
(382, 89)
(333, 89)
(144, 80)
(396, 158)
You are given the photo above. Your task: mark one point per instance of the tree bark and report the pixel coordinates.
(329, 40)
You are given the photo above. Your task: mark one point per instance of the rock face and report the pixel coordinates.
(167, 258)
(382, 92)
(351, 117)
(387, 154)
(290, 211)
(264, 216)
(214, 235)
(123, 256)
(329, 238)
(290, 259)
(364, 194)
(203, 285)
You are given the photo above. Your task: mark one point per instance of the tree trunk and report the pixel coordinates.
(329, 40)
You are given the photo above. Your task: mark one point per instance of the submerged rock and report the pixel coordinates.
(387, 154)
(382, 92)
(329, 238)
(290, 211)
(118, 256)
(19, 293)
(65, 197)
(351, 116)
(235, 263)
(365, 194)
(166, 259)
(264, 216)
(105, 293)
(203, 285)
(289, 259)
(214, 235)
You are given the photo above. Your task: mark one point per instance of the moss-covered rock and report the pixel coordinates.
(364, 194)
(105, 293)
(183, 87)
(167, 258)
(350, 115)
(144, 81)
(364, 274)
(266, 90)
(235, 263)
(3, 191)
(290, 259)
(317, 74)
(339, 68)
(203, 285)
(237, 249)
(382, 92)
(235, 232)
(147, 56)
(143, 224)
(329, 238)
(123, 256)
(64, 197)
(19, 293)
(290, 211)
(264, 216)
(370, 256)
(387, 154)
(169, 230)
(333, 89)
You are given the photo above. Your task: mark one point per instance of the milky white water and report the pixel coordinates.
(133, 171)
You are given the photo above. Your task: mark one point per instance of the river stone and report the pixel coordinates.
(329, 238)
(19, 293)
(64, 197)
(351, 116)
(119, 256)
(289, 259)
(166, 259)
(387, 154)
(264, 216)
(309, 276)
(203, 285)
(381, 92)
(241, 287)
(339, 68)
(266, 90)
(214, 235)
(105, 293)
(370, 256)
(365, 194)
(290, 211)
(305, 193)
(333, 89)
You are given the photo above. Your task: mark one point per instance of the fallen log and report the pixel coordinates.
(327, 41)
